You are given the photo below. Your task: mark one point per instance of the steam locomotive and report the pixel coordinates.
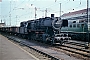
(43, 29)
(52, 30)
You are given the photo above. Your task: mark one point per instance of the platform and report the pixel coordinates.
(11, 51)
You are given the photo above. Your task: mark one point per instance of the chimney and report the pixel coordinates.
(52, 15)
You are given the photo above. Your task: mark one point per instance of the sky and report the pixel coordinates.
(12, 12)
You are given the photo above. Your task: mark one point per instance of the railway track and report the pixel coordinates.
(70, 47)
(37, 53)
(77, 43)
(75, 47)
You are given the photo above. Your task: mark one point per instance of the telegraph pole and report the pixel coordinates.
(16, 20)
(10, 13)
(87, 12)
(60, 10)
(60, 18)
(88, 20)
(46, 12)
(35, 12)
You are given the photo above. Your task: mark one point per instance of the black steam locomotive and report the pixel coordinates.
(46, 30)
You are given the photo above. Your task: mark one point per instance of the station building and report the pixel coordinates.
(2, 24)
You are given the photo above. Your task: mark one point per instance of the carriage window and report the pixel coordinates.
(74, 25)
(74, 21)
(78, 25)
(71, 26)
(82, 25)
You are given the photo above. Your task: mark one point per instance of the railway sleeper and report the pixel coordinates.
(69, 50)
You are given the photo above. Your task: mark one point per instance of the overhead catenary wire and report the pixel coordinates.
(49, 8)
(52, 5)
